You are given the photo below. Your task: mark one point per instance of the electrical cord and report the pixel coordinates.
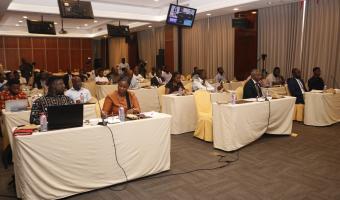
(116, 157)
(269, 111)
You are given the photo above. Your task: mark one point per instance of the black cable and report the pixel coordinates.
(269, 111)
(227, 162)
(120, 166)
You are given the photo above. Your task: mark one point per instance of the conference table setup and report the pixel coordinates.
(183, 110)
(86, 158)
(235, 126)
(322, 108)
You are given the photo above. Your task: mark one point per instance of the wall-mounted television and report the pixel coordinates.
(75, 9)
(41, 27)
(181, 15)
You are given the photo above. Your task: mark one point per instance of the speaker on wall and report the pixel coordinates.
(161, 51)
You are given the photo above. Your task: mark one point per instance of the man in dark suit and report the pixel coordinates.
(296, 86)
(252, 88)
(316, 82)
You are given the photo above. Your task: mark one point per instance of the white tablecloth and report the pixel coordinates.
(321, 109)
(62, 163)
(14, 119)
(148, 99)
(183, 110)
(235, 126)
(104, 90)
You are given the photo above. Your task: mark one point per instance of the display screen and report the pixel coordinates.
(181, 15)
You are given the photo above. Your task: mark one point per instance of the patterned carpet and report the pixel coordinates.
(274, 167)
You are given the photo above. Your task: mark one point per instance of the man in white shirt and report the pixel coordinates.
(134, 83)
(77, 93)
(101, 79)
(199, 82)
(123, 65)
(275, 78)
(220, 75)
(166, 75)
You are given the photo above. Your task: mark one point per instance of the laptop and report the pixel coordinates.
(65, 116)
(16, 105)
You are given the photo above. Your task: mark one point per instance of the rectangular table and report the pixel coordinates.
(235, 126)
(14, 119)
(183, 110)
(61, 163)
(148, 99)
(321, 109)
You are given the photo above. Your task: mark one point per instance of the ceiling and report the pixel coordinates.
(138, 14)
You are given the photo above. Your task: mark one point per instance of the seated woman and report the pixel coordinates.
(174, 85)
(121, 98)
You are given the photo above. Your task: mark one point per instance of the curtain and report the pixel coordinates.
(208, 45)
(321, 42)
(118, 49)
(149, 42)
(279, 36)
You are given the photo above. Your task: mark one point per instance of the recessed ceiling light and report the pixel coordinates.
(236, 9)
(95, 21)
(85, 24)
(17, 25)
(78, 27)
(208, 14)
(254, 12)
(156, 0)
(55, 23)
(269, 3)
(25, 17)
(20, 21)
(150, 26)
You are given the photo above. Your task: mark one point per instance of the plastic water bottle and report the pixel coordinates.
(121, 114)
(233, 98)
(43, 122)
(81, 98)
(325, 87)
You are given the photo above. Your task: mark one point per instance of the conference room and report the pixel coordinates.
(169, 99)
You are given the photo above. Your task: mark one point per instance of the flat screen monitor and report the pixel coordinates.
(118, 31)
(41, 27)
(75, 9)
(181, 15)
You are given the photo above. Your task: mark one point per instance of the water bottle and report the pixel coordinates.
(43, 122)
(233, 98)
(325, 87)
(81, 98)
(121, 114)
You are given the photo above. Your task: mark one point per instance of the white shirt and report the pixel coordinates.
(75, 95)
(134, 83)
(219, 78)
(140, 78)
(102, 79)
(166, 76)
(197, 84)
(121, 66)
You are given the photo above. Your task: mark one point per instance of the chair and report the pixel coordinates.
(161, 92)
(204, 129)
(188, 86)
(92, 87)
(98, 109)
(298, 114)
(239, 92)
(188, 77)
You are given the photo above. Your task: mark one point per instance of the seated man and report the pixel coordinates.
(136, 73)
(174, 85)
(77, 91)
(134, 83)
(54, 97)
(296, 86)
(101, 79)
(220, 75)
(316, 82)
(166, 75)
(200, 83)
(275, 78)
(13, 92)
(252, 88)
(157, 79)
(114, 76)
(121, 98)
